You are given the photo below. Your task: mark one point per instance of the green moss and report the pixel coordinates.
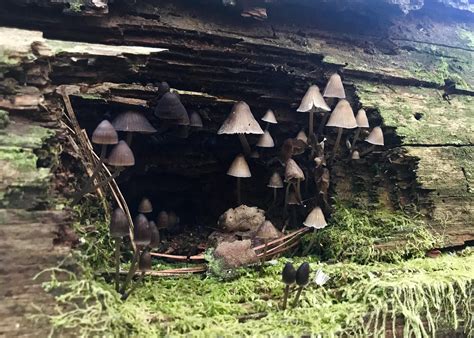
(468, 36)
(357, 300)
(4, 120)
(361, 235)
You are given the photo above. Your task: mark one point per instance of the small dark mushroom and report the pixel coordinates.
(170, 108)
(118, 228)
(289, 277)
(195, 120)
(302, 279)
(145, 206)
(132, 122)
(155, 236)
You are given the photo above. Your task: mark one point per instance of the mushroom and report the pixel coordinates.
(302, 136)
(240, 169)
(355, 155)
(343, 118)
(302, 279)
(155, 236)
(289, 277)
(162, 221)
(334, 87)
(316, 220)
(145, 206)
(144, 265)
(266, 140)
(266, 231)
(293, 176)
(293, 202)
(375, 138)
(195, 120)
(118, 228)
(132, 122)
(241, 121)
(270, 118)
(163, 88)
(120, 157)
(170, 108)
(275, 183)
(311, 102)
(362, 122)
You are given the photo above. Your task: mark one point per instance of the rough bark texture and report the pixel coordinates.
(397, 71)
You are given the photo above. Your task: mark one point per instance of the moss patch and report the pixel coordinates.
(4, 120)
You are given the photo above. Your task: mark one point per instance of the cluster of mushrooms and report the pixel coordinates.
(241, 122)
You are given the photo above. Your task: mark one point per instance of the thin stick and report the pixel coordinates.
(131, 271)
(117, 263)
(245, 144)
(139, 281)
(100, 184)
(323, 123)
(298, 294)
(285, 297)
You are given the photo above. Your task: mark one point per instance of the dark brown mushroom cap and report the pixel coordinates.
(169, 107)
(293, 199)
(302, 274)
(144, 264)
(133, 121)
(334, 87)
(145, 206)
(121, 156)
(163, 88)
(155, 235)
(195, 120)
(288, 274)
(240, 121)
(118, 224)
(105, 133)
(142, 232)
(162, 221)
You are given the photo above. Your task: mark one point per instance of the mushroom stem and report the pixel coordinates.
(245, 144)
(129, 138)
(298, 190)
(139, 281)
(117, 263)
(239, 197)
(287, 193)
(89, 188)
(311, 122)
(297, 297)
(311, 243)
(371, 148)
(274, 195)
(285, 297)
(338, 140)
(323, 122)
(356, 138)
(131, 271)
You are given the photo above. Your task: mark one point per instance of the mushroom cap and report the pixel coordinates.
(142, 231)
(313, 99)
(376, 137)
(254, 154)
(293, 171)
(275, 181)
(169, 107)
(155, 235)
(173, 219)
(133, 121)
(118, 224)
(266, 140)
(342, 116)
(240, 121)
(361, 119)
(302, 274)
(288, 274)
(144, 264)
(239, 167)
(315, 219)
(292, 199)
(121, 156)
(269, 117)
(334, 87)
(195, 120)
(163, 88)
(145, 206)
(162, 220)
(302, 136)
(105, 133)
(355, 155)
(267, 231)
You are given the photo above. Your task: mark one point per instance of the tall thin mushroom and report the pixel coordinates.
(362, 122)
(132, 122)
(118, 228)
(293, 176)
(241, 121)
(240, 169)
(342, 118)
(275, 183)
(312, 101)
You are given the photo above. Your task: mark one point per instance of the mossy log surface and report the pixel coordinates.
(213, 58)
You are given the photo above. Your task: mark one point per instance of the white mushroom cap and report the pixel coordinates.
(376, 137)
(313, 99)
(315, 219)
(239, 167)
(240, 121)
(302, 136)
(334, 87)
(361, 119)
(269, 117)
(293, 171)
(266, 140)
(275, 181)
(342, 116)
(355, 155)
